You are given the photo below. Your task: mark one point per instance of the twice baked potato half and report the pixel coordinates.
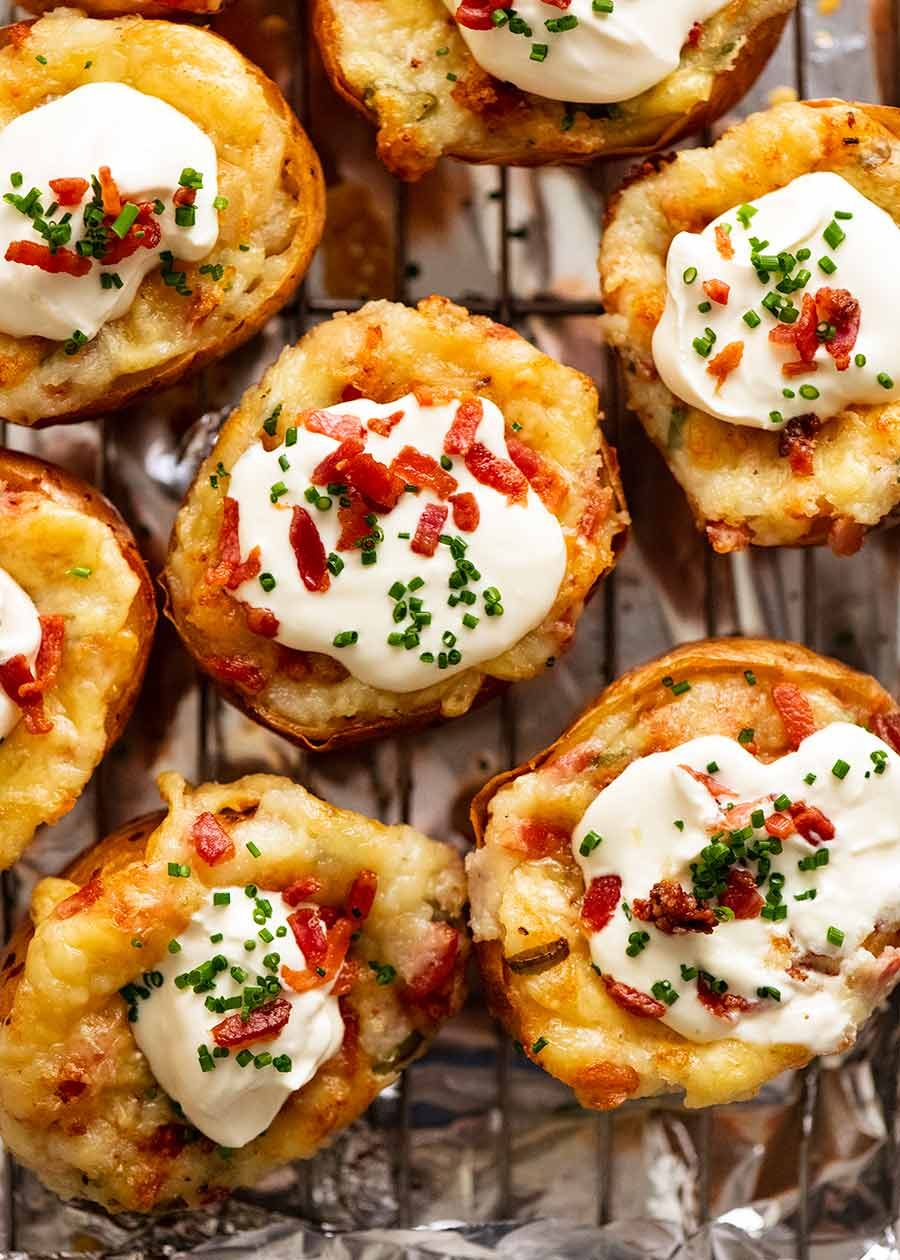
(206, 996)
(406, 514)
(160, 203)
(464, 79)
(696, 887)
(77, 615)
(131, 8)
(755, 330)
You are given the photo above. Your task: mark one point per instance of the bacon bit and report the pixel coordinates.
(338, 942)
(310, 933)
(185, 197)
(461, 434)
(262, 1024)
(633, 1000)
(722, 1004)
(845, 537)
(81, 900)
(798, 443)
(674, 910)
(261, 621)
(713, 786)
(112, 198)
(741, 896)
(779, 825)
(354, 525)
(338, 427)
(886, 726)
(237, 670)
(600, 900)
(839, 308)
(466, 513)
(306, 543)
(211, 841)
(302, 890)
(723, 243)
(798, 368)
(69, 192)
(361, 895)
(725, 539)
(428, 530)
(350, 393)
(347, 977)
(598, 504)
(546, 482)
(19, 683)
(144, 233)
(725, 362)
(377, 483)
(801, 335)
(438, 966)
(382, 425)
(332, 466)
(811, 823)
(230, 572)
(795, 713)
(64, 262)
(68, 1091)
(49, 657)
(717, 291)
(475, 15)
(538, 838)
(423, 471)
(695, 34)
(491, 471)
(557, 4)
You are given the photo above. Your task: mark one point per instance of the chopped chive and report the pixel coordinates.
(840, 769)
(253, 849)
(689, 275)
(589, 843)
(178, 870)
(539, 1045)
(346, 638)
(834, 936)
(125, 218)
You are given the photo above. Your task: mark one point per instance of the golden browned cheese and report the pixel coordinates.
(382, 56)
(142, 8)
(78, 1102)
(267, 170)
(524, 903)
(382, 352)
(740, 487)
(51, 523)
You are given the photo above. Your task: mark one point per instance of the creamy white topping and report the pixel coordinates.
(836, 239)
(231, 1103)
(146, 144)
(20, 635)
(517, 550)
(655, 820)
(585, 55)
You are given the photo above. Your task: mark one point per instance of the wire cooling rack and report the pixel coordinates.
(519, 246)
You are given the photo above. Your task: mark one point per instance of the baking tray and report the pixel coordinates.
(475, 1152)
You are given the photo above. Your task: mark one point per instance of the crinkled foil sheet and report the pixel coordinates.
(476, 1154)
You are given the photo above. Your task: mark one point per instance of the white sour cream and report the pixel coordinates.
(796, 217)
(606, 57)
(146, 144)
(856, 891)
(518, 549)
(20, 635)
(231, 1104)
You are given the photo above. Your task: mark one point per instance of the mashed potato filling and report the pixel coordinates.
(778, 310)
(731, 898)
(102, 185)
(20, 635)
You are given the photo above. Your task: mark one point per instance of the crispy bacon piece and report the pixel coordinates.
(722, 1004)
(437, 964)
(211, 841)
(262, 1024)
(798, 443)
(726, 362)
(354, 523)
(309, 551)
(779, 825)
(601, 897)
(428, 531)
(334, 426)
(717, 291)
(846, 536)
(674, 910)
(261, 621)
(26, 689)
(144, 233)
(69, 192)
(338, 942)
(49, 657)
(538, 838)
(887, 728)
(302, 890)
(382, 425)
(559, 4)
(811, 823)
(378, 484)
(461, 433)
(229, 570)
(801, 335)
(798, 368)
(475, 15)
(741, 896)
(543, 478)
(361, 896)
(695, 34)
(239, 671)
(633, 1000)
(795, 713)
(713, 786)
(423, 471)
(109, 190)
(311, 934)
(598, 504)
(725, 539)
(839, 308)
(81, 900)
(723, 243)
(332, 467)
(497, 473)
(184, 197)
(466, 513)
(65, 262)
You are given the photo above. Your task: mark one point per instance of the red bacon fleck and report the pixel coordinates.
(211, 841)
(673, 910)
(461, 433)
(713, 786)
(81, 900)
(383, 425)
(600, 900)
(559, 4)
(26, 689)
(723, 243)
(332, 467)
(262, 1024)
(428, 531)
(310, 933)
(354, 525)
(598, 504)
(334, 426)
(230, 571)
(741, 895)
(309, 551)
(361, 896)
(144, 233)
(695, 34)
(779, 825)
(722, 1004)
(725, 538)
(497, 473)
(437, 965)
(717, 291)
(633, 1000)
(109, 189)
(538, 838)
(475, 15)
(466, 513)
(261, 621)
(69, 192)
(49, 657)
(726, 362)
(839, 308)
(64, 262)
(811, 823)
(185, 197)
(337, 944)
(239, 671)
(886, 726)
(801, 335)
(378, 484)
(795, 713)
(797, 443)
(423, 471)
(543, 478)
(302, 890)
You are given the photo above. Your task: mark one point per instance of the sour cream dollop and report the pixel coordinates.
(231, 1103)
(147, 146)
(20, 635)
(833, 241)
(407, 620)
(590, 57)
(656, 822)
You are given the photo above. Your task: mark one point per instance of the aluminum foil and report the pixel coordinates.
(476, 1153)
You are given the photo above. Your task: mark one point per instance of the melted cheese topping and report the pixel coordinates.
(584, 55)
(147, 146)
(830, 238)
(231, 1102)
(20, 635)
(656, 822)
(415, 619)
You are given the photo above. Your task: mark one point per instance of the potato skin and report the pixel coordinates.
(381, 57)
(605, 1054)
(274, 189)
(740, 488)
(386, 350)
(51, 521)
(77, 1098)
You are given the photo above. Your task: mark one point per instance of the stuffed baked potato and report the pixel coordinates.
(186, 203)
(78, 615)
(377, 628)
(406, 65)
(81, 1104)
(799, 444)
(565, 919)
(140, 8)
